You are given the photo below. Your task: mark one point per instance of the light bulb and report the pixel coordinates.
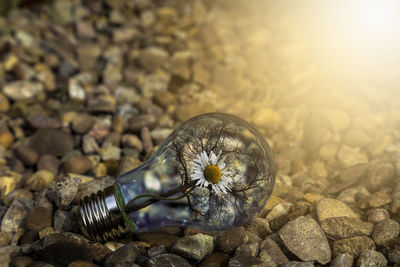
(215, 171)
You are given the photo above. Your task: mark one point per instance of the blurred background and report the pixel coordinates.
(92, 87)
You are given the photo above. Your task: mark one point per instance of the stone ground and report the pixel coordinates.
(91, 88)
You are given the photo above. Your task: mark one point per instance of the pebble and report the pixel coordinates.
(64, 220)
(40, 121)
(21, 261)
(110, 152)
(379, 176)
(132, 141)
(136, 123)
(63, 191)
(22, 90)
(298, 264)
(7, 184)
(6, 253)
(27, 155)
(89, 187)
(17, 193)
(39, 218)
(194, 247)
(349, 156)
(229, 240)
(146, 140)
(6, 138)
(15, 215)
(329, 207)
(371, 258)
(40, 180)
(158, 238)
(82, 264)
(49, 163)
(164, 98)
(376, 215)
(64, 248)
(89, 144)
(259, 226)
(4, 103)
(305, 238)
(385, 231)
(216, 259)
(125, 255)
(52, 141)
(152, 58)
(245, 261)
(354, 173)
(249, 249)
(167, 260)
(345, 227)
(342, 260)
(77, 164)
(274, 250)
(281, 209)
(352, 246)
(356, 138)
(82, 123)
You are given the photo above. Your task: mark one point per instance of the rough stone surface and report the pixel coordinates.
(385, 231)
(352, 246)
(15, 215)
(371, 258)
(125, 255)
(52, 141)
(194, 247)
(228, 241)
(167, 260)
(344, 227)
(328, 207)
(64, 248)
(305, 238)
(63, 191)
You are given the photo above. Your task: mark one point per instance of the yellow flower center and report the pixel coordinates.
(212, 174)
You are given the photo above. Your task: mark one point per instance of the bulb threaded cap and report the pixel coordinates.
(99, 216)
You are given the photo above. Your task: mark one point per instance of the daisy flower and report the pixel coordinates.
(209, 170)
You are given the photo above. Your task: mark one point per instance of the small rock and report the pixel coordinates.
(147, 142)
(245, 261)
(164, 99)
(385, 231)
(155, 251)
(267, 118)
(136, 123)
(89, 144)
(52, 141)
(77, 164)
(132, 141)
(5, 238)
(266, 258)
(110, 152)
(194, 247)
(305, 238)
(274, 250)
(45, 75)
(259, 226)
(21, 261)
(281, 209)
(7, 184)
(63, 191)
(328, 207)
(349, 156)
(6, 252)
(344, 227)
(15, 215)
(298, 264)
(342, 260)
(379, 199)
(27, 155)
(125, 255)
(158, 238)
(167, 260)
(49, 163)
(4, 103)
(85, 30)
(82, 264)
(94, 186)
(379, 175)
(6, 138)
(250, 249)
(354, 173)
(352, 246)
(229, 240)
(152, 58)
(40, 180)
(38, 219)
(64, 248)
(356, 138)
(82, 123)
(371, 258)
(63, 220)
(18, 193)
(376, 215)
(216, 259)
(22, 90)
(41, 121)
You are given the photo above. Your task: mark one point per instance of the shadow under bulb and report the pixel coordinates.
(215, 171)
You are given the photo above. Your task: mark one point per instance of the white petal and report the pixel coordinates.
(221, 165)
(213, 158)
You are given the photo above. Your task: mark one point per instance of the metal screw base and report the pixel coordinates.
(99, 216)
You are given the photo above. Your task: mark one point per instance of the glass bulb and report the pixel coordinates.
(213, 172)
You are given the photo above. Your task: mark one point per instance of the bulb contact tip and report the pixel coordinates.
(99, 216)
